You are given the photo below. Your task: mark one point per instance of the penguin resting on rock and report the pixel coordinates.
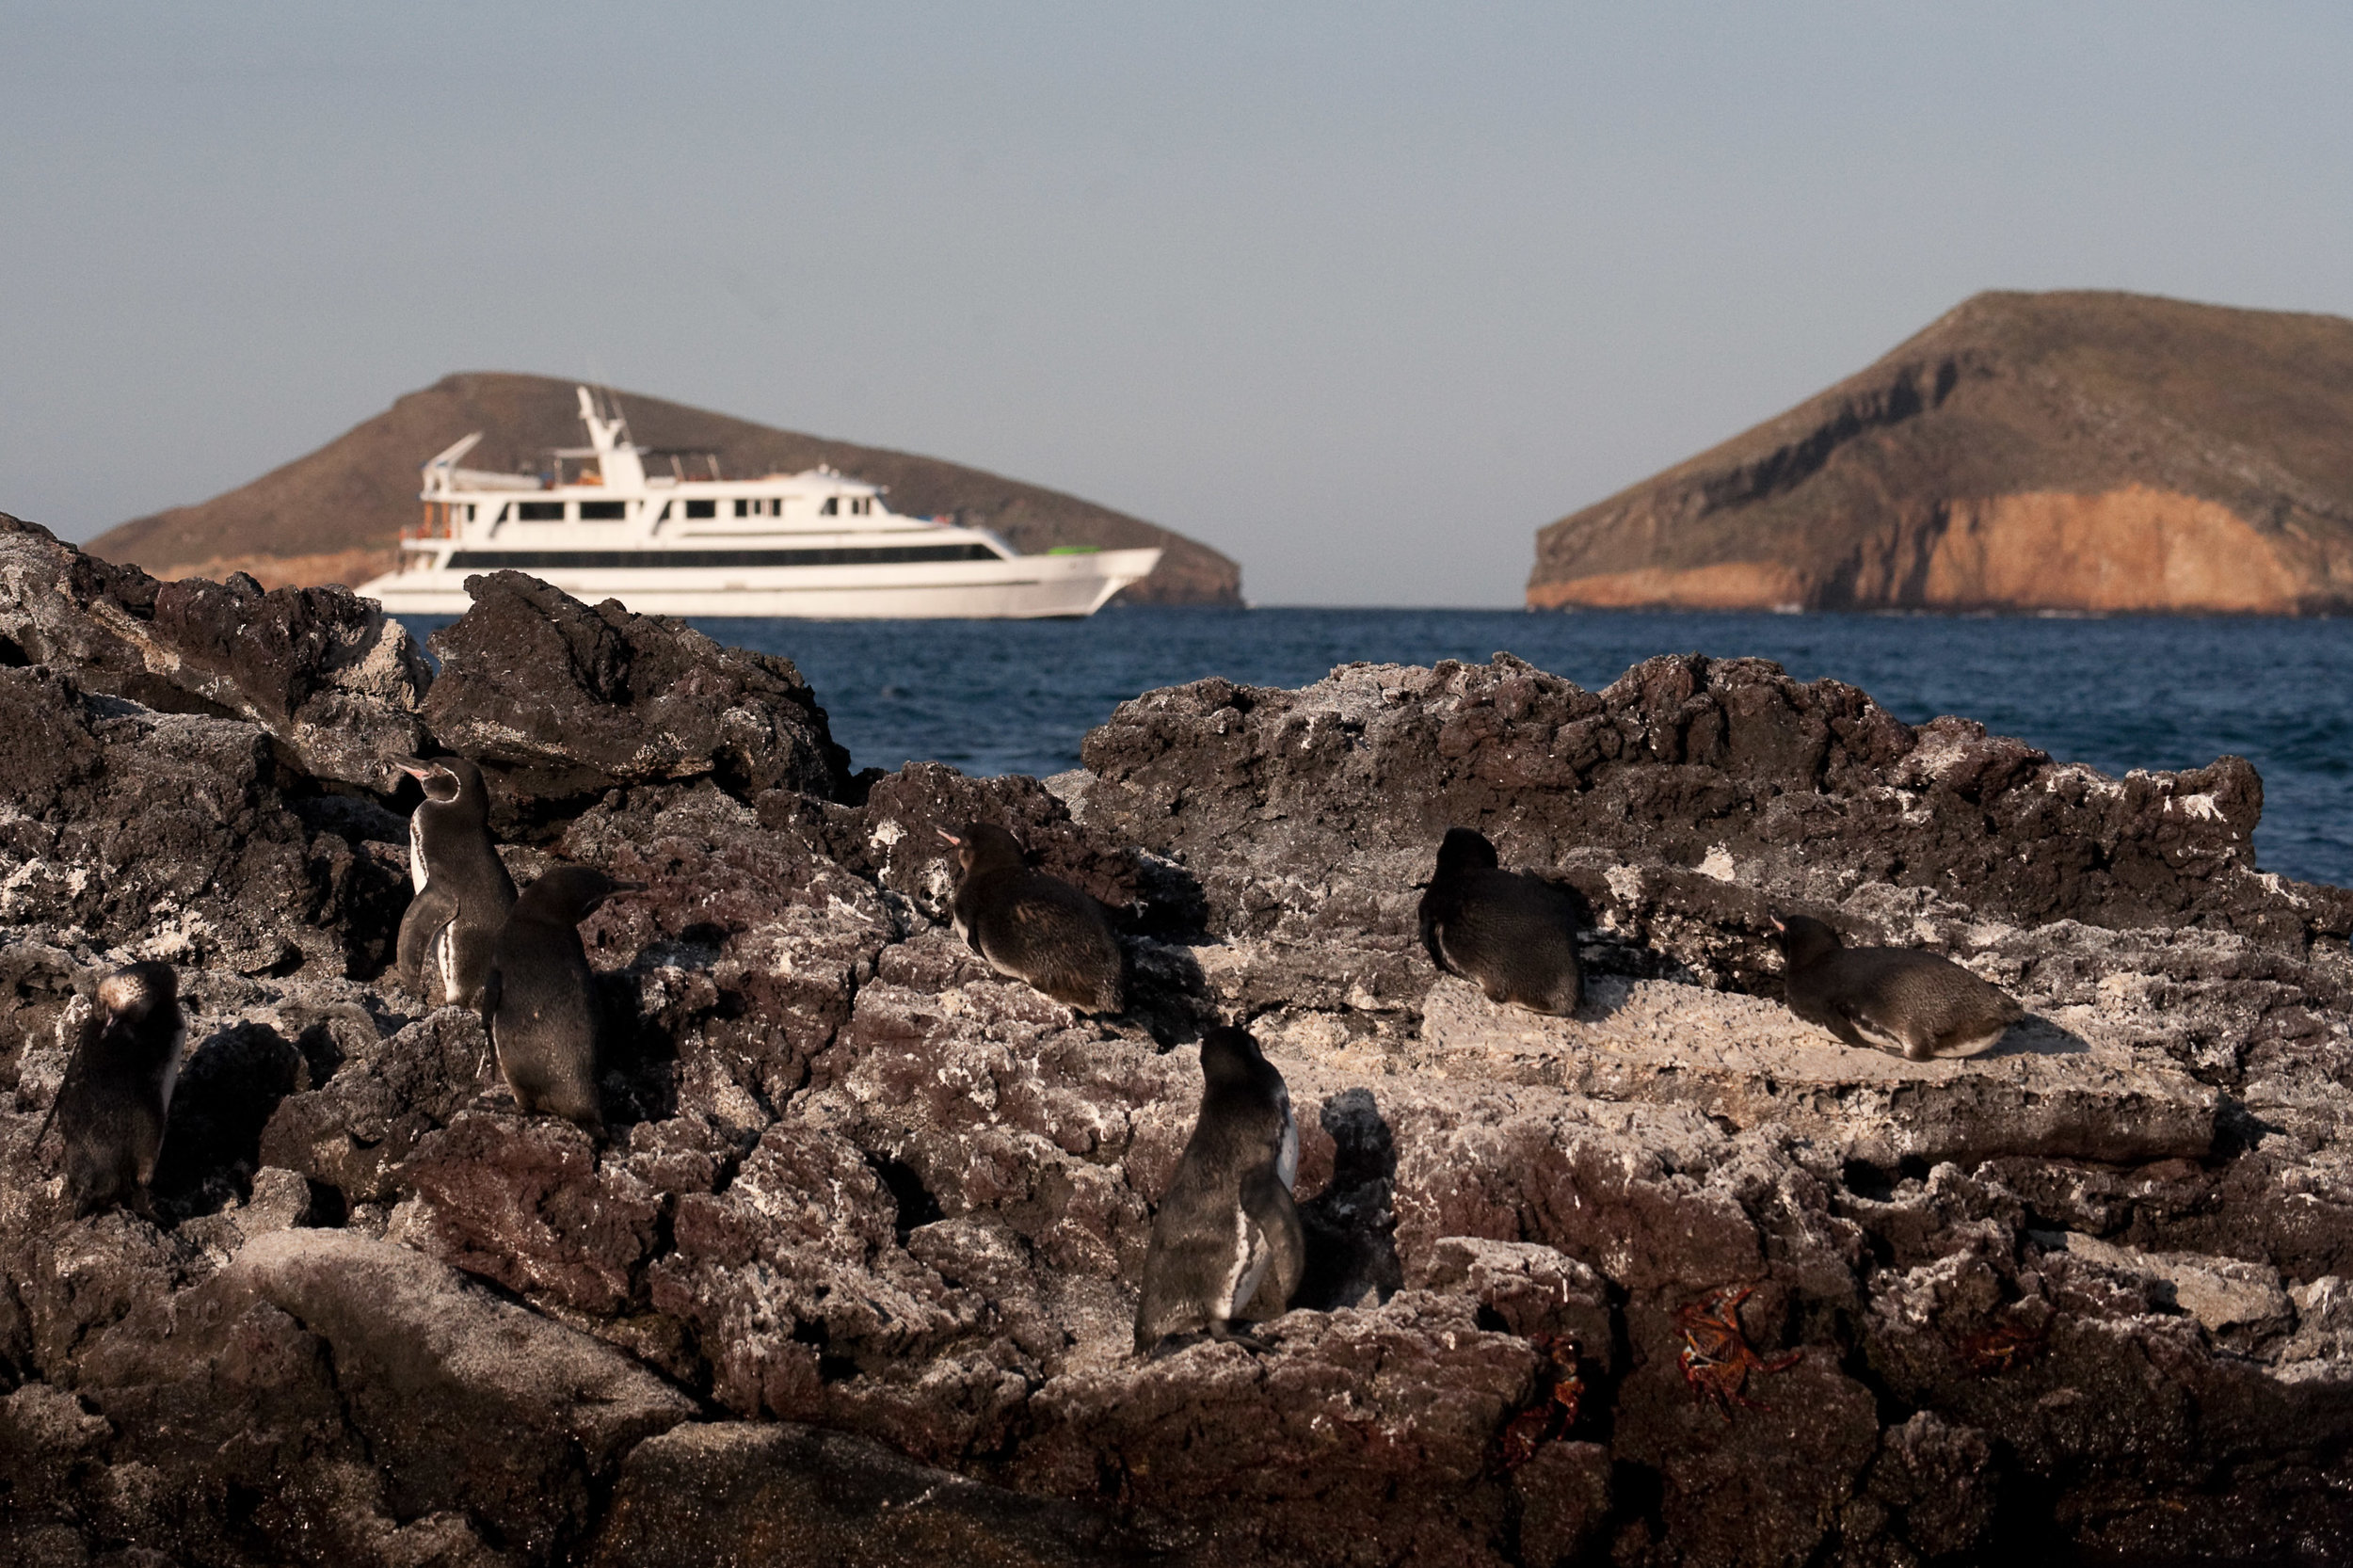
(116, 1099)
(1905, 1002)
(1227, 1243)
(463, 892)
(1034, 927)
(539, 999)
(1512, 935)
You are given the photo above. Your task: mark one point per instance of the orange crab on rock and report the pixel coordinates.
(1555, 1412)
(1717, 1356)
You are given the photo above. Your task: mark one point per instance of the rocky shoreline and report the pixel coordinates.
(853, 1280)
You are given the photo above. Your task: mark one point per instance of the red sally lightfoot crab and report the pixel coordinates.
(1554, 1411)
(1717, 1356)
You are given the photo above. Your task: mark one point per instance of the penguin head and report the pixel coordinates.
(447, 780)
(1231, 1055)
(1803, 939)
(1465, 849)
(567, 895)
(984, 846)
(137, 992)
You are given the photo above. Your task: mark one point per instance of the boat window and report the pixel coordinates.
(832, 508)
(538, 511)
(850, 555)
(742, 507)
(862, 505)
(665, 513)
(604, 511)
(468, 511)
(701, 509)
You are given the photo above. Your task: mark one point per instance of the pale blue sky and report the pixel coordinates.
(1362, 295)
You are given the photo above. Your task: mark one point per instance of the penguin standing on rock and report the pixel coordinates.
(1227, 1243)
(539, 999)
(1909, 1003)
(1513, 935)
(116, 1095)
(1032, 927)
(463, 892)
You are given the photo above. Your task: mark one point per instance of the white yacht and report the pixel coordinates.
(812, 544)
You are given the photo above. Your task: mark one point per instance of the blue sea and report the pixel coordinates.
(2117, 693)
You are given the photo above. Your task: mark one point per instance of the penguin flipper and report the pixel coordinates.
(1863, 1029)
(429, 912)
(1433, 940)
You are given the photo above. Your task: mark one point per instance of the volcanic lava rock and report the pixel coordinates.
(557, 702)
(321, 669)
(777, 1492)
(1677, 1279)
(169, 832)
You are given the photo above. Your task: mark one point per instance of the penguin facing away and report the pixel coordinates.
(1034, 927)
(116, 1099)
(463, 892)
(539, 1000)
(1919, 1005)
(1226, 1244)
(1512, 935)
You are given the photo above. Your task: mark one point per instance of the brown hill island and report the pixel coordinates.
(335, 515)
(2066, 451)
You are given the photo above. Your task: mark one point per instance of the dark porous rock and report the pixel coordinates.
(897, 841)
(322, 670)
(464, 1401)
(740, 956)
(708, 1493)
(169, 832)
(523, 1200)
(1676, 1279)
(1364, 1436)
(353, 1131)
(1314, 813)
(558, 701)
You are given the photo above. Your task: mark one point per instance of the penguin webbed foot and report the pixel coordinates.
(1223, 1331)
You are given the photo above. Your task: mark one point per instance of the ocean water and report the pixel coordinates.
(2117, 693)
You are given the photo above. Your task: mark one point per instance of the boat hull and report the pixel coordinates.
(1023, 588)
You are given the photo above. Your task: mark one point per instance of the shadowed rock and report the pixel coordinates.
(321, 669)
(557, 702)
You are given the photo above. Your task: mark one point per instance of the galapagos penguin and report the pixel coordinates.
(1227, 1243)
(1513, 935)
(463, 892)
(1912, 1004)
(539, 1000)
(112, 1108)
(1034, 927)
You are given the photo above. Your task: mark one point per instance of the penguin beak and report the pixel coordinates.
(413, 767)
(950, 837)
(1779, 925)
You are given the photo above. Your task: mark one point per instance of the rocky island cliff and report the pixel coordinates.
(2066, 451)
(335, 515)
(1677, 1280)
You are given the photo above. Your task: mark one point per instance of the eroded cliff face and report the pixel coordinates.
(2067, 451)
(852, 1278)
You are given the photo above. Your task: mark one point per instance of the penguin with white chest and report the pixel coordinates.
(1912, 1004)
(116, 1099)
(463, 892)
(1032, 927)
(539, 999)
(1512, 935)
(1226, 1244)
